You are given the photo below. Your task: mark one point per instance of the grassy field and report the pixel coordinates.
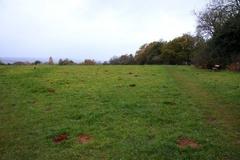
(118, 112)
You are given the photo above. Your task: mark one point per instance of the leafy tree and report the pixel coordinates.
(141, 56)
(65, 62)
(225, 43)
(179, 50)
(149, 53)
(1, 63)
(219, 22)
(122, 60)
(89, 62)
(50, 61)
(37, 62)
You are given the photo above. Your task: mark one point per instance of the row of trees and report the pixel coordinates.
(178, 51)
(71, 62)
(217, 41)
(50, 62)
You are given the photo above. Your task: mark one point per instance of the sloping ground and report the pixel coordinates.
(118, 112)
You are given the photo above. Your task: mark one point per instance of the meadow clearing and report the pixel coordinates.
(118, 112)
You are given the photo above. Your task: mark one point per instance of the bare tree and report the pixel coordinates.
(215, 15)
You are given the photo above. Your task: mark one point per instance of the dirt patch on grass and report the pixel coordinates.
(84, 138)
(211, 120)
(136, 75)
(187, 142)
(51, 90)
(48, 109)
(60, 138)
(130, 73)
(132, 85)
(169, 103)
(238, 142)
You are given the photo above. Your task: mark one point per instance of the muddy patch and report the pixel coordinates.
(187, 142)
(48, 109)
(211, 120)
(84, 138)
(238, 142)
(51, 90)
(130, 73)
(60, 138)
(165, 86)
(132, 85)
(169, 103)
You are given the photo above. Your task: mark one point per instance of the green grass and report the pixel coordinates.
(140, 122)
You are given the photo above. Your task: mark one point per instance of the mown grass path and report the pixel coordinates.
(118, 112)
(216, 108)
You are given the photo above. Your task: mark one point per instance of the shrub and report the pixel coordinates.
(37, 62)
(1, 63)
(65, 62)
(21, 63)
(234, 67)
(89, 62)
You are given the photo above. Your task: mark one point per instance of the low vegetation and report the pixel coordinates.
(118, 112)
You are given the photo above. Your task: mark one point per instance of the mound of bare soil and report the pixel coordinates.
(187, 142)
(84, 138)
(60, 138)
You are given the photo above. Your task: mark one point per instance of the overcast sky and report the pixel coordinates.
(96, 29)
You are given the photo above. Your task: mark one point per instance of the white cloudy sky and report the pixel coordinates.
(96, 29)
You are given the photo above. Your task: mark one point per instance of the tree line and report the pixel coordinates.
(177, 51)
(50, 61)
(217, 41)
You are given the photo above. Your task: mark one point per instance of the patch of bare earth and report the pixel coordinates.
(132, 85)
(84, 138)
(51, 90)
(187, 142)
(211, 120)
(60, 138)
(169, 103)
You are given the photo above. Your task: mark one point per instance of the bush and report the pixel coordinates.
(37, 62)
(234, 67)
(21, 63)
(65, 62)
(1, 63)
(89, 62)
